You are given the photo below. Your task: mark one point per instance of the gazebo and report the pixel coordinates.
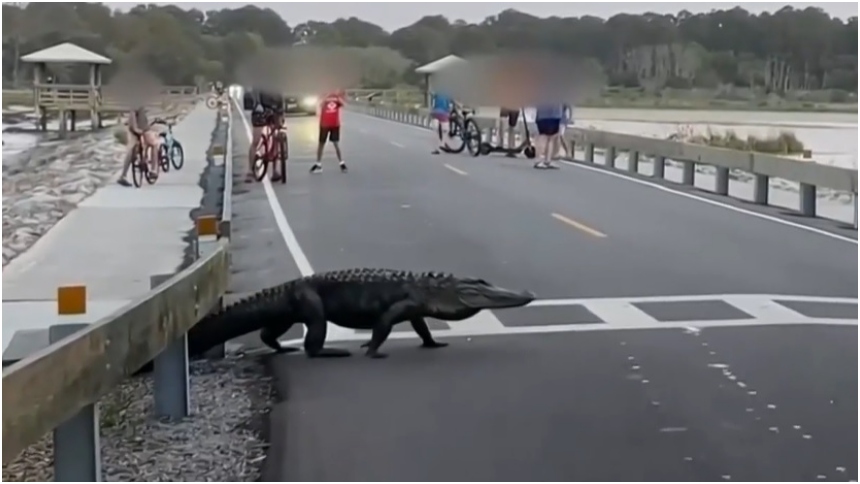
(66, 98)
(429, 69)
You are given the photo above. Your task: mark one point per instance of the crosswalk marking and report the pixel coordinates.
(622, 314)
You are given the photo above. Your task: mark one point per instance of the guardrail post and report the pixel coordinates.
(807, 199)
(77, 453)
(688, 172)
(610, 157)
(589, 153)
(170, 374)
(760, 189)
(722, 181)
(633, 162)
(659, 167)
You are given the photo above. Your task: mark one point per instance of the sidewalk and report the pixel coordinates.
(112, 243)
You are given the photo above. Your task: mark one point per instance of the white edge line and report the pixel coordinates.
(657, 186)
(395, 143)
(295, 250)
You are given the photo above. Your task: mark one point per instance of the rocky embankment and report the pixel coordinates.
(43, 184)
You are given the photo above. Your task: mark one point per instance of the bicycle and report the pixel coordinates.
(215, 101)
(462, 126)
(171, 151)
(272, 151)
(140, 166)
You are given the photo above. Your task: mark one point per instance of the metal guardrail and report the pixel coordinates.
(809, 175)
(58, 387)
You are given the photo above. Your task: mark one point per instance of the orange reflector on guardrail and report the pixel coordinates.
(71, 300)
(207, 225)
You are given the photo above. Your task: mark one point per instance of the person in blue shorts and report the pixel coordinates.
(440, 113)
(548, 120)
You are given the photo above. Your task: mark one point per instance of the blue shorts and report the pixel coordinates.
(548, 127)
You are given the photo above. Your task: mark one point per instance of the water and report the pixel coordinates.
(832, 137)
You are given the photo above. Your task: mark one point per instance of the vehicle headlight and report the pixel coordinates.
(310, 101)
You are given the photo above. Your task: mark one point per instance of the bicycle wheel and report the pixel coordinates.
(211, 102)
(261, 166)
(456, 135)
(177, 155)
(472, 137)
(164, 157)
(283, 154)
(137, 170)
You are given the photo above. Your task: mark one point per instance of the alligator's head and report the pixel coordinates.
(456, 299)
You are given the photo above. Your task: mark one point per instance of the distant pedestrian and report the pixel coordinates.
(548, 120)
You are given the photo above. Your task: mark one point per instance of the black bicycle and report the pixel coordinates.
(464, 131)
(140, 167)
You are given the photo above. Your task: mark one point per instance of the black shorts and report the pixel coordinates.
(330, 134)
(513, 116)
(548, 127)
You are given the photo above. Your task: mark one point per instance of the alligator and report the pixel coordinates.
(370, 299)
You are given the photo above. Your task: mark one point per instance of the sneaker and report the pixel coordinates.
(343, 167)
(123, 182)
(541, 165)
(551, 166)
(317, 168)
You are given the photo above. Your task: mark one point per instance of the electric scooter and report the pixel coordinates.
(525, 146)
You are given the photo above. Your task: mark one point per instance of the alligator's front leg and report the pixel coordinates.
(423, 331)
(382, 329)
(312, 308)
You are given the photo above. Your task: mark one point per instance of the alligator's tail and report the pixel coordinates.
(237, 320)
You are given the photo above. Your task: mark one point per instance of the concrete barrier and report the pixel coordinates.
(809, 175)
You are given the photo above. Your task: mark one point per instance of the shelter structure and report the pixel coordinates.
(67, 99)
(428, 70)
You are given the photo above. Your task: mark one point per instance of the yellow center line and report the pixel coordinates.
(455, 169)
(579, 226)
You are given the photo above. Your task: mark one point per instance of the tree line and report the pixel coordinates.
(788, 50)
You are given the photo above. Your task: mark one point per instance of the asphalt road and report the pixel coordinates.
(746, 403)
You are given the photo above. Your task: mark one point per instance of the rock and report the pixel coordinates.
(53, 180)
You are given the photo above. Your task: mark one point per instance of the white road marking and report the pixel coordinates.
(395, 143)
(484, 321)
(455, 170)
(704, 297)
(621, 311)
(287, 233)
(715, 203)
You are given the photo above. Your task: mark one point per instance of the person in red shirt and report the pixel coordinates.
(330, 108)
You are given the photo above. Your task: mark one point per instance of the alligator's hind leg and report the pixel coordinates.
(312, 307)
(270, 334)
(423, 331)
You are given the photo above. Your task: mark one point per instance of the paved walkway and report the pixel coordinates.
(112, 243)
(675, 339)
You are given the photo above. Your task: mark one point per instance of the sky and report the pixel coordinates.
(394, 15)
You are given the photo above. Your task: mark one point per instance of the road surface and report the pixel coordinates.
(675, 340)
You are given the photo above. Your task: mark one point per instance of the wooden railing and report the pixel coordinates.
(78, 96)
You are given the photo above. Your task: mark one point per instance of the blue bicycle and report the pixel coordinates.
(171, 151)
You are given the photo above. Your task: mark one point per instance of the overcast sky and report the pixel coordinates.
(392, 16)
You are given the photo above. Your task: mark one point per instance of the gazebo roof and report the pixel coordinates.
(439, 64)
(66, 53)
